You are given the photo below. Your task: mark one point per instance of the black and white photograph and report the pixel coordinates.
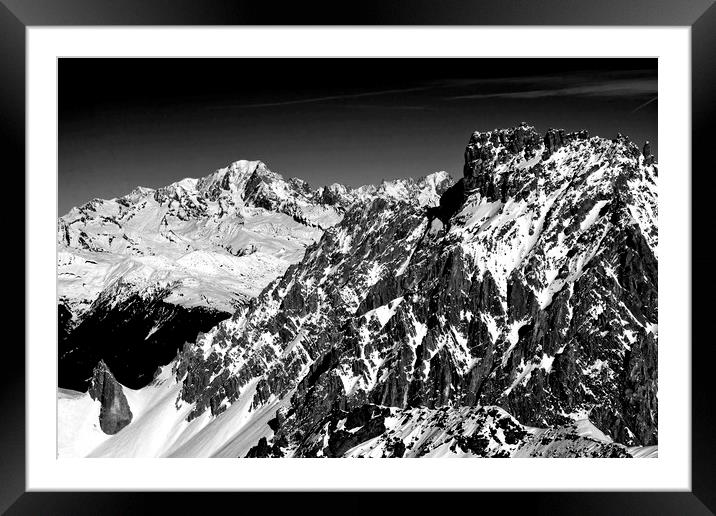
(357, 257)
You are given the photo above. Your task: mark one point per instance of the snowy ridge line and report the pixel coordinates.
(201, 234)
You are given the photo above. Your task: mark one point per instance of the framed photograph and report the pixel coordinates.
(308, 251)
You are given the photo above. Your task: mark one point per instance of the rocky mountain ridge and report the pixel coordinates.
(538, 295)
(151, 269)
(523, 300)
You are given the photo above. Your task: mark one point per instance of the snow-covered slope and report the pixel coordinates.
(160, 429)
(524, 296)
(217, 241)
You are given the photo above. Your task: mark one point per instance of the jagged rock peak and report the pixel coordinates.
(649, 158)
(492, 157)
(507, 163)
(139, 192)
(243, 170)
(114, 413)
(554, 139)
(333, 194)
(234, 177)
(410, 189)
(424, 191)
(242, 167)
(515, 140)
(521, 137)
(485, 150)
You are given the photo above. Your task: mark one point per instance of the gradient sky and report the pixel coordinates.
(150, 122)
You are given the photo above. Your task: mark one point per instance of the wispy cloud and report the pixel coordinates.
(342, 96)
(391, 107)
(640, 106)
(576, 84)
(610, 88)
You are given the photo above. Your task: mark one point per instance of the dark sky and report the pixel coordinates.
(150, 122)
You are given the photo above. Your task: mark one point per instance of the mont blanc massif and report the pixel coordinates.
(511, 312)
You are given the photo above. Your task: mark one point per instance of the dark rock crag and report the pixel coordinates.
(649, 158)
(115, 412)
(134, 337)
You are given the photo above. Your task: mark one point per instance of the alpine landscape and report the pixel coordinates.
(509, 310)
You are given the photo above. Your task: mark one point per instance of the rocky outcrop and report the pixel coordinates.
(207, 383)
(649, 158)
(553, 140)
(487, 150)
(263, 450)
(450, 203)
(388, 432)
(334, 195)
(65, 319)
(115, 412)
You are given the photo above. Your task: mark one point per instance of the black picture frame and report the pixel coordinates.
(700, 15)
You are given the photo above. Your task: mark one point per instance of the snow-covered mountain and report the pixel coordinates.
(515, 315)
(151, 269)
(241, 226)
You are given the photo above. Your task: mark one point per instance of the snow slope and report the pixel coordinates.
(159, 427)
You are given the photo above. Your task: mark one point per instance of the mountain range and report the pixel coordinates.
(147, 271)
(509, 313)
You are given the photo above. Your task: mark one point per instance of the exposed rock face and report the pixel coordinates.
(263, 450)
(538, 296)
(483, 154)
(114, 413)
(375, 431)
(134, 336)
(553, 140)
(646, 151)
(649, 158)
(65, 322)
(450, 203)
